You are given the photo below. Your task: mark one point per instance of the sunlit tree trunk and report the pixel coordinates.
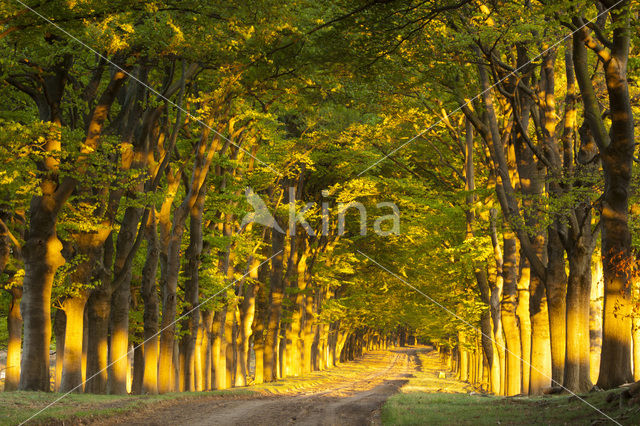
(207, 339)
(59, 326)
(218, 358)
(308, 331)
(120, 301)
(577, 371)
(556, 286)
(276, 297)
(463, 372)
(492, 298)
(74, 332)
(509, 317)
(245, 324)
(340, 344)
(635, 330)
(595, 318)
(138, 370)
(151, 308)
(14, 329)
(226, 350)
(98, 308)
(258, 334)
(41, 257)
(119, 340)
(198, 376)
(191, 311)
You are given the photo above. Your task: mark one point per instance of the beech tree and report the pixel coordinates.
(433, 169)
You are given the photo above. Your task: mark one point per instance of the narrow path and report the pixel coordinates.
(345, 400)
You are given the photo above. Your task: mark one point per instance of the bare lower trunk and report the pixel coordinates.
(207, 340)
(277, 290)
(166, 365)
(198, 374)
(227, 345)
(73, 337)
(540, 339)
(509, 303)
(246, 322)
(99, 307)
(595, 321)
(556, 286)
(217, 360)
(636, 348)
(463, 369)
(41, 259)
(524, 282)
(151, 309)
(59, 326)
(191, 293)
(14, 328)
(138, 370)
(258, 348)
(119, 339)
(308, 332)
(577, 376)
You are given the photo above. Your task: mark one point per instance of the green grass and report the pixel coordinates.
(16, 407)
(461, 409)
(425, 399)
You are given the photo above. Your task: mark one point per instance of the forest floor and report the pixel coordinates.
(399, 386)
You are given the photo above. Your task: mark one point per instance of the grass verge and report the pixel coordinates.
(16, 407)
(425, 399)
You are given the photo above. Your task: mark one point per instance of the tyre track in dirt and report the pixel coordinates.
(343, 402)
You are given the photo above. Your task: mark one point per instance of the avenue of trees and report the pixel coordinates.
(134, 134)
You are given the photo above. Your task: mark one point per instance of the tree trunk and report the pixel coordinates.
(198, 373)
(74, 332)
(151, 309)
(509, 318)
(59, 326)
(258, 339)
(218, 358)
(119, 340)
(577, 371)
(308, 332)
(14, 328)
(120, 301)
(191, 309)
(595, 320)
(98, 307)
(556, 286)
(277, 294)
(42, 258)
(207, 340)
(226, 350)
(246, 322)
(540, 376)
(167, 336)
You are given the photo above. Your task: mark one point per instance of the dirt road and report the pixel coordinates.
(344, 400)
